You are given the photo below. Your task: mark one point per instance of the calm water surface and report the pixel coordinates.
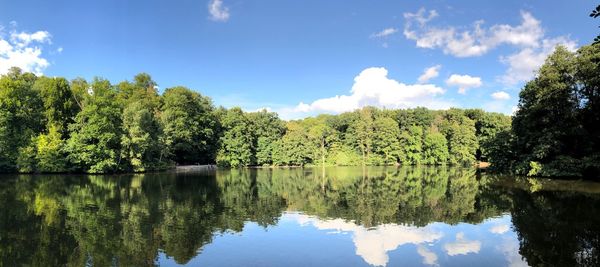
(298, 217)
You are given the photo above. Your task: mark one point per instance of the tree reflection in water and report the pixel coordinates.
(127, 220)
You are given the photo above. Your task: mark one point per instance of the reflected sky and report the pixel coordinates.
(390, 216)
(299, 240)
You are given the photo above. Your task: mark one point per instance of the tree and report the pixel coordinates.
(461, 136)
(59, 105)
(411, 142)
(141, 140)
(596, 13)
(386, 142)
(487, 125)
(435, 148)
(143, 88)
(320, 133)
(189, 126)
(268, 128)
(361, 132)
(548, 99)
(95, 142)
(236, 143)
(587, 74)
(50, 152)
(294, 148)
(21, 115)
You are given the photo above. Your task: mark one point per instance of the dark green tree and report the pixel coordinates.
(21, 116)
(189, 126)
(94, 145)
(237, 140)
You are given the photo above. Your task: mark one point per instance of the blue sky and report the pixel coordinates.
(295, 57)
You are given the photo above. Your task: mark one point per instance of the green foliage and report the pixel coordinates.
(189, 126)
(236, 143)
(95, 142)
(596, 13)
(52, 125)
(555, 131)
(59, 104)
(51, 156)
(435, 148)
(294, 148)
(268, 128)
(386, 143)
(412, 145)
(461, 135)
(140, 142)
(21, 115)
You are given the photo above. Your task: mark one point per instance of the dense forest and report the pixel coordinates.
(556, 130)
(54, 125)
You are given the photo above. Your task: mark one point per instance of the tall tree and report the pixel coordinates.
(461, 135)
(21, 115)
(386, 142)
(435, 148)
(59, 105)
(237, 140)
(361, 132)
(94, 145)
(411, 142)
(189, 126)
(321, 135)
(141, 141)
(544, 102)
(268, 128)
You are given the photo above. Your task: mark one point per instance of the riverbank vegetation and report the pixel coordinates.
(556, 130)
(54, 125)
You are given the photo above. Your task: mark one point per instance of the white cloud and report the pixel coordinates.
(528, 37)
(510, 248)
(23, 39)
(218, 12)
(373, 244)
(464, 82)
(523, 64)
(462, 246)
(23, 50)
(384, 33)
(500, 95)
(372, 87)
(500, 229)
(429, 258)
(474, 42)
(429, 73)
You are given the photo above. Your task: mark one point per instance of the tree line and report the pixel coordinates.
(556, 130)
(52, 125)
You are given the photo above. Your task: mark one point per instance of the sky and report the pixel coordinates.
(301, 58)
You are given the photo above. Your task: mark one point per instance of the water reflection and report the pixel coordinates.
(350, 216)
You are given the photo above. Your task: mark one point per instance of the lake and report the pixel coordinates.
(345, 216)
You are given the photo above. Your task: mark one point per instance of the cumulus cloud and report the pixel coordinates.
(373, 244)
(429, 73)
(217, 11)
(23, 50)
(500, 229)
(429, 258)
(528, 38)
(462, 246)
(384, 33)
(523, 64)
(464, 82)
(500, 95)
(372, 87)
(473, 42)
